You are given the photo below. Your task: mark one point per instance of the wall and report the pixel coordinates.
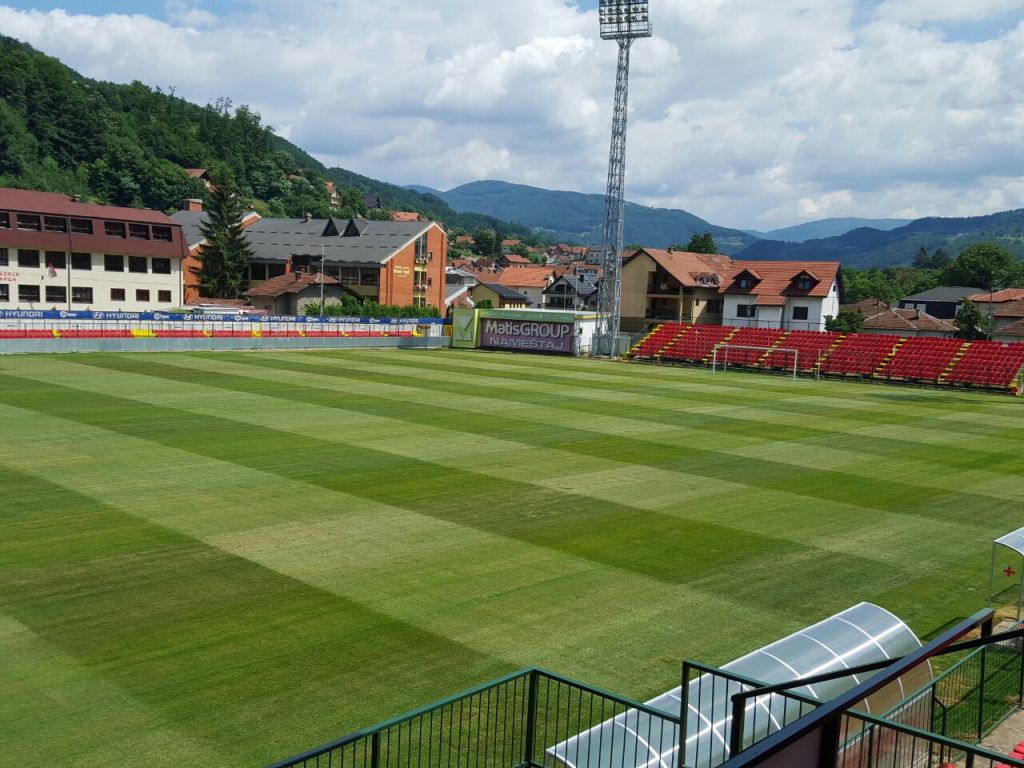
(635, 278)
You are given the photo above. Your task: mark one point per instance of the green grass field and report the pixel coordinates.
(234, 557)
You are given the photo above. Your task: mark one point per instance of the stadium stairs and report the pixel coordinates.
(985, 365)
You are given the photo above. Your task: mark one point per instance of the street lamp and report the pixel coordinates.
(323, 310)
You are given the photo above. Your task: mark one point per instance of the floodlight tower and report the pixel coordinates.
(623, 21)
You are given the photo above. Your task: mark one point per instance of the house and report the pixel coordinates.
(570, 292)
(57, 252)
(500, 296)
(672, 285)
(333, 195)
(460, 276)
(530, 281)
(513, 260)
(457, 297)
(372, 202)
(943, 302)
(1008, 313)
(390, 262)
(405, 216)
(991, 303)
(507, 245)
(202, 174)
(880, 318)
(290, 294)
(464, 241)
(795, 295)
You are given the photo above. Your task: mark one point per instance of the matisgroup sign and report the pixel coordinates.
(527, 335)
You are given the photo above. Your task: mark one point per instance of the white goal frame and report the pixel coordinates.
(725, 346)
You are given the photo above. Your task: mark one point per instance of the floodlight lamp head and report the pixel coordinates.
(623, 19)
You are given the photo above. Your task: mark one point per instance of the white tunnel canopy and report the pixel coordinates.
(860, 635)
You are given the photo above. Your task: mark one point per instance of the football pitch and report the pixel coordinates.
(227, 558)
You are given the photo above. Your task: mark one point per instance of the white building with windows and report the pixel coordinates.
(57, 252)
(795, 295)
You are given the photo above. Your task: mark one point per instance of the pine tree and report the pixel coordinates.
(226, 253)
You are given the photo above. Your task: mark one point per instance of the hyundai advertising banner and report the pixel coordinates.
(46, 314)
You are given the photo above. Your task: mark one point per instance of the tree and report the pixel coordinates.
(971, 323)
(225, 253)
(847, 321)
(704, 243)
(984, 265)
(484, 304)
(484, 240)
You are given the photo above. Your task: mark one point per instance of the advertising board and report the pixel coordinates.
(527, 335)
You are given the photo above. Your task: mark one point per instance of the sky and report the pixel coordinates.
(748, 113)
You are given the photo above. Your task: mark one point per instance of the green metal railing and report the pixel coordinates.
(515, 720)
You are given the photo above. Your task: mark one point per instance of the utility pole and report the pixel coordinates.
(623, 21)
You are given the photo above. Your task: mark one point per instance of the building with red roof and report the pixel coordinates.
(57, 252)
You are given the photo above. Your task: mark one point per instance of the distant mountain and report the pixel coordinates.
(423, 190)
(579, 217)
(869, 247)
(814, 230)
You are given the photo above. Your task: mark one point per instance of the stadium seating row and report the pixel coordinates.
(986, 364)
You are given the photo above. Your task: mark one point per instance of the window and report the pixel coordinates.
(56, 294)
(163, 296)
(81, 226)
(275, 270)
(5, 221)
(744, 282)
(714, 305)
(117, 294)
(141, 295)
(137, 264)
(746, 310)
(799, 313)
(56, 259)
(113, 262)
(369, 277)
(28, 258)
(804, 284)
(28, 293)
(81, 295)
(350, 275)
(55, 224)
(161, 266)
(81, 261)
(5, 293)
(29, 222)
(4, 258)
(138, 232)
(113, 229)
(162, 233)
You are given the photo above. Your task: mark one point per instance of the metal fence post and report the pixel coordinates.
(739, 702)
(531, 717)
(684, 713)
(829, 753)
(375, 750)
(986, 630)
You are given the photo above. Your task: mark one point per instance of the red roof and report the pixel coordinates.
(195, 173)
(879, 316)
(524, 277)
(1007, 294)
(292, 282)
(1012, 309)
(57, 204)
(405, 216)
(779, 278)
(515, 258)
(687, 268)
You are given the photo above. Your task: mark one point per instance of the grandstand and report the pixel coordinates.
(942, 362)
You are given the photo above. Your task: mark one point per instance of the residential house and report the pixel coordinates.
(880, 318)
(530, 281)
(672, 285)
(796, 295)
(333, 195)
(290, 294)
(372, 202)
(202, 174)
(500, 296)
(513, 260)
(943, 302)
(508, 244)
(406, 216)
(57, 252)
(570, 292)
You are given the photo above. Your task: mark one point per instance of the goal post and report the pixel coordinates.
(741, 355)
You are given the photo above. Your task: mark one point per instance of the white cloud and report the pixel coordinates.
(747, 113)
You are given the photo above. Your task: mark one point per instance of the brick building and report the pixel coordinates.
(59, 253)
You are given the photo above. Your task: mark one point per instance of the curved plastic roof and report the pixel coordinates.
(859, 635)
(1014, 541)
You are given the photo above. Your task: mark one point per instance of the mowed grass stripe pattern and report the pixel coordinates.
(246, 554)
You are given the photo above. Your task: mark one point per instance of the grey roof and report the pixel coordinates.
(190, 222)
(579, 286)
(505, 292)
(349, 241)
(948, 293)
(451, 291)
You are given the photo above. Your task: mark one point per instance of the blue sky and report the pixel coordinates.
(749, 114)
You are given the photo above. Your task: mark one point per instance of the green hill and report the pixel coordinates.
(128, 145)
(867, 247)
(579, 217)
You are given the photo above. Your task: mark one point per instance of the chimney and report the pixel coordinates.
(76, 198)
(193, 205)
(309, 217)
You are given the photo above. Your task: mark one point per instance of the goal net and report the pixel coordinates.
(739, 355)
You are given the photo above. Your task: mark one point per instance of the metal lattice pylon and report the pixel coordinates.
(622, 21)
